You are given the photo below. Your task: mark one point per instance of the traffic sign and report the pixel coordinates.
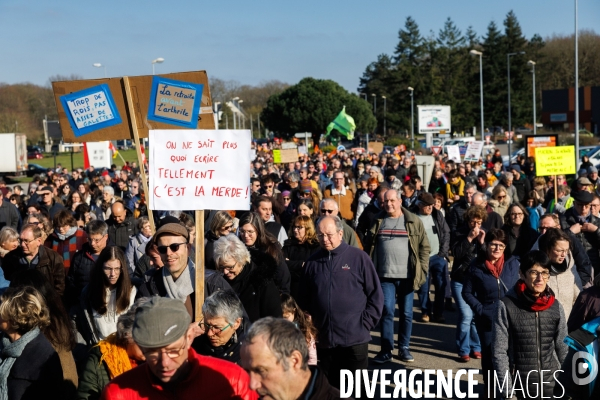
(436, 150)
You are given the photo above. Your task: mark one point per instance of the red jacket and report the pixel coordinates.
(210, 378)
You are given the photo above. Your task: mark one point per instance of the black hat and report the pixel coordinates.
(427, 199)
(582, 196)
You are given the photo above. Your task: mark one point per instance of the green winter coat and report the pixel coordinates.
(94, 377)
(419, 245)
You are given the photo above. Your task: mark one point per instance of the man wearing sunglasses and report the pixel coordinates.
(172, 367)
(45, 197)
(329, 208)
(176, 279)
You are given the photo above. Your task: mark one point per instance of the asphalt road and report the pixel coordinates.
(433, 346)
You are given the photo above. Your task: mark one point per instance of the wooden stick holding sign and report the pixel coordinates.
(555, 191)
(199, 261)
(198, 170)
(138, 149)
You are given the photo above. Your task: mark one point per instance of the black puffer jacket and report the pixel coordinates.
(464, 253)
(155, 286)
(282, 277)
(256, 288)
(443, 232)
(532, 343)
(296, 254)
(519, 246)
(119, 234)
(209, 250)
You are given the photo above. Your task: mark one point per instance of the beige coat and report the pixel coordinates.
(566, 286)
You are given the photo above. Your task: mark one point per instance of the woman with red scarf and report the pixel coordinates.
(488, 281)
(528, 333)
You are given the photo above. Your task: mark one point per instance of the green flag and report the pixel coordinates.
(344, 124)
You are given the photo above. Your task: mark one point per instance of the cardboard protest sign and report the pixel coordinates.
(559, 160)
(199, 169)
(285, 156)
(189, 83)
(376, 147)
(97, 155)
(473, 152)
(534, 142)
(90, 109)
(453, 153)
(174, 102)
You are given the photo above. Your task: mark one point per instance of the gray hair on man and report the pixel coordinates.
(470, 185)
(333, 203)
(225, 304)
(125, 321)
(282, 338)
(96, 227)
(231, 247)
(339, 226)
(478, 196)
(8, 234)
(293, 176)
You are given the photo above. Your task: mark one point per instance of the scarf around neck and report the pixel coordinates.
(69, 233)
(114, 356)
(541, 303)
(9, 352)
(495, 268)
(183, 286)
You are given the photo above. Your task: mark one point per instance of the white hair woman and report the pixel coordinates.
(251, 279)
(224, 327)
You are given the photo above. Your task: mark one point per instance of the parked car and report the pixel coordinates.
(34, 155)
(35, 169)
(35, 148)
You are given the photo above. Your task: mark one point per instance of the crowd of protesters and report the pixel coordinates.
(97, 306)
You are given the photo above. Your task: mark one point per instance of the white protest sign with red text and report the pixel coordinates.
(199, 169)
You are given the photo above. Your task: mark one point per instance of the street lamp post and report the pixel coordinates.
(510, 138)
(375, 111)
(234, 111)
(532, 63)
(384, 115)
(412, 118)
(158, 60)
(98, 65)
(240, 115)
(576, 88)
(480, 54)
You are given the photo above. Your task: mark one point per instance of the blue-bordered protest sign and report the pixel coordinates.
(175, 102)
(90, 109)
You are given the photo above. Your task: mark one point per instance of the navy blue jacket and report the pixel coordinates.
(481, 289)
(340, 289)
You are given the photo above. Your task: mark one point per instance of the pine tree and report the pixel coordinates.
(520, 79)
(494, 77)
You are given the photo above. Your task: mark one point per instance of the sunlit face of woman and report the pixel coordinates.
(303, 209)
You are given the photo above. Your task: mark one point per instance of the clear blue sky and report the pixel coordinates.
(247, 41)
